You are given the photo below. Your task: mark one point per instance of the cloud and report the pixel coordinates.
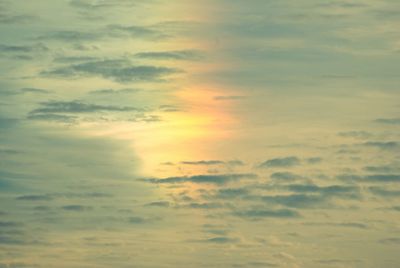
(114, 91)
(220, 240)
(6, 123)
(50, 107)
(268, 213)
(229, 193)
(143, 220)
(14, 18)
(208, 205)
(118, 70)
(203, 179)
(9, 224)
(71, 36)
(332, 190)
(135, 31)
(35, 198)
(235, 163)
(388, 121)
(52, 117)
(228, 98)
(281, 162)
(164, 204)
(355, 134)
(285, 176)
(171, 55)
(309, 195)
(296, 200)
(395, 208)
(381, 169)
(78, 208)
(314, 160)
(337, 262)
(370, 178)
(22, 48)
(230, 163)
(35, 90)
(382, 145)
(357, 225)
(24, 91)
(383, 192)
(51, 196)
(93, 5)
(390, 241)
(203, 162)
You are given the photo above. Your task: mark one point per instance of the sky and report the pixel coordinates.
(212, 133)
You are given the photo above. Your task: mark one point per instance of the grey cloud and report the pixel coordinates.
(381, 169)
(35, 197)
(355, 134)
(337, 262)
(268, 213)
(221, 240)
(119, 70)
(235, 163)
(71, 36)
(370, 178)
(209, 205)
(391, 241)
(19, 265)
(143, 220)
(76, 208)
(169, 108)
(395, 208)
(281, 162)
(13, 18)
(51, 196)
(353, 225)
(164, 204)
(22, 48)
(227, 98)
(297, 200)
(388, 121)
(86, 4)
(114, 91)
(24, 91)
(136, 31)
(203, 162)
(312, 196)
(50, 107)
(110, 31)
(382, 145)
(171, 55)
(214, 162)
(232, 193)
(74, 59)
(52, 117)
(285, 176)
(314, 160)
(9, 151)
(9, 224)
(261, 264)
(89, 5)
(35, 90)
(6, 123)
(332, 190)
(7, 240)
(383, 192)
(207, 179)
(339, 224)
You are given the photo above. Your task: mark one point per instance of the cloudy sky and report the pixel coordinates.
(212, 133)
